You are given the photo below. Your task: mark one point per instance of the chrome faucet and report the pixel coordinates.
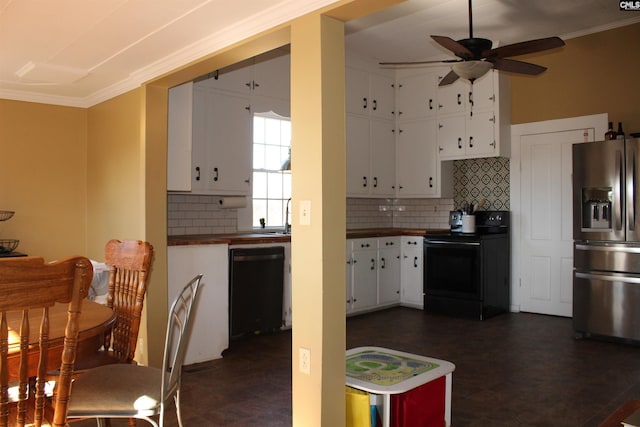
(287, 226)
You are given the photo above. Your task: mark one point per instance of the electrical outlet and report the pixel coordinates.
(305, 360)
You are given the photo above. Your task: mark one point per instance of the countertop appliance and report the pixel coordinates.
(606, 233)
(468, 274)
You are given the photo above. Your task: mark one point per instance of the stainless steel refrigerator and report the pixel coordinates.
(606, 233)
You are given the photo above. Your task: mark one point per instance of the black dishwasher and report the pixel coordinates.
(256, 281)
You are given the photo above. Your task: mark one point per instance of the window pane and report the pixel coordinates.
(272, 131)
(274, 188)
(285, 138)
(274, 212)
(286, 185)
(259, 211)
(258, 129)
(258, 156)
(260, 185)
(273, 160)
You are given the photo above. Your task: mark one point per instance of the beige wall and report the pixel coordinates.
(43, 171)
(597, 73)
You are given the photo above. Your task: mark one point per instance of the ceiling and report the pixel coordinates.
(82, 52)
(401, 33)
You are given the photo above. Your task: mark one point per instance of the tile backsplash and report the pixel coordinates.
(488, 178)
(474, 179)
(199, 214)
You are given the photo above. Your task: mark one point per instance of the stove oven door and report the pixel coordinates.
(452, 268)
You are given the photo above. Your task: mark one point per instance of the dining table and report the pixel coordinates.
(95, 320)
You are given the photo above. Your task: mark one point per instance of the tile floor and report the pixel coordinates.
(512, 370)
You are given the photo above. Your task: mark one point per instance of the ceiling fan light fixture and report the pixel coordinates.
(472, 70)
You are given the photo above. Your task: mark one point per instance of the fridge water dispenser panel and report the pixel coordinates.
(596, 209)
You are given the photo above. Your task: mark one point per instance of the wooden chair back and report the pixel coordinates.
(28, 288)
(129, 262)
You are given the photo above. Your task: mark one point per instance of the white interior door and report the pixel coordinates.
(542, 206)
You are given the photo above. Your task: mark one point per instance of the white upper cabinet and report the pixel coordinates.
(370, 94)
(222, 143)
(474, 119)
(416, 96)
(179, 137)
(370, 157)
(272, 76)
(370, 105)
(267, 75)
(420, 173)
(210, 124)
(452, 98)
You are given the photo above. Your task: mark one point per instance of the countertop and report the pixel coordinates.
(255, 238)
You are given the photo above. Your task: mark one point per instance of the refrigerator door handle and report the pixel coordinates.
(606, 248)
(608, 278)
(619, 209)
(631, 193)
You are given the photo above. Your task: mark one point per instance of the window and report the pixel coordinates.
(271, 186)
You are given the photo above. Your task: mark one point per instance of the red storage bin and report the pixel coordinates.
(423, 406)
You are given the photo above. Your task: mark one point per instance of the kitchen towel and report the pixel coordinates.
(234, 202)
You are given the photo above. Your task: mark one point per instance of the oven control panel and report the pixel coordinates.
(486, 221)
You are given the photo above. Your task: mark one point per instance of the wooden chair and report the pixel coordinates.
(28, 289)
(133, 391)
(129, 262)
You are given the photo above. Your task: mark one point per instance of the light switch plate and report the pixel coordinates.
(305, 212)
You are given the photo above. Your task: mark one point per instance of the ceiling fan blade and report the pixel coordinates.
(459, 50)
(523, 48)
(410, 63)
(448, 79)
(514, 66)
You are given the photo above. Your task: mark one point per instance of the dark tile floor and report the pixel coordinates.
(515, 369)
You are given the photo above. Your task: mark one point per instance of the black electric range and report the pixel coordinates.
(468, 274)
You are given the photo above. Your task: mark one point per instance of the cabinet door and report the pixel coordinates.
(365, 274)
(417, 159)
(417, 97)
(271, 76)
(453, 98)
(451, 136)
(357, 91)
(179, 136)
(481, 140)
(235, 78)
(388, 270)
(212, 313)
(383, 155)
(411, 277)
(202, 110)
(349, 277)
(482, 95)
(382, 97)
(358, 156)
(229, 144)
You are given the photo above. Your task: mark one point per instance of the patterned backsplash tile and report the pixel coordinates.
(487, 178)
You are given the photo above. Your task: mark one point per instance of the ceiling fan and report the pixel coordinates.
(476, 57)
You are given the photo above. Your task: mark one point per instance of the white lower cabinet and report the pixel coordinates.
(373, 273)
(411, 277)
(363, 275)
(388, 271)
(211, 321)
